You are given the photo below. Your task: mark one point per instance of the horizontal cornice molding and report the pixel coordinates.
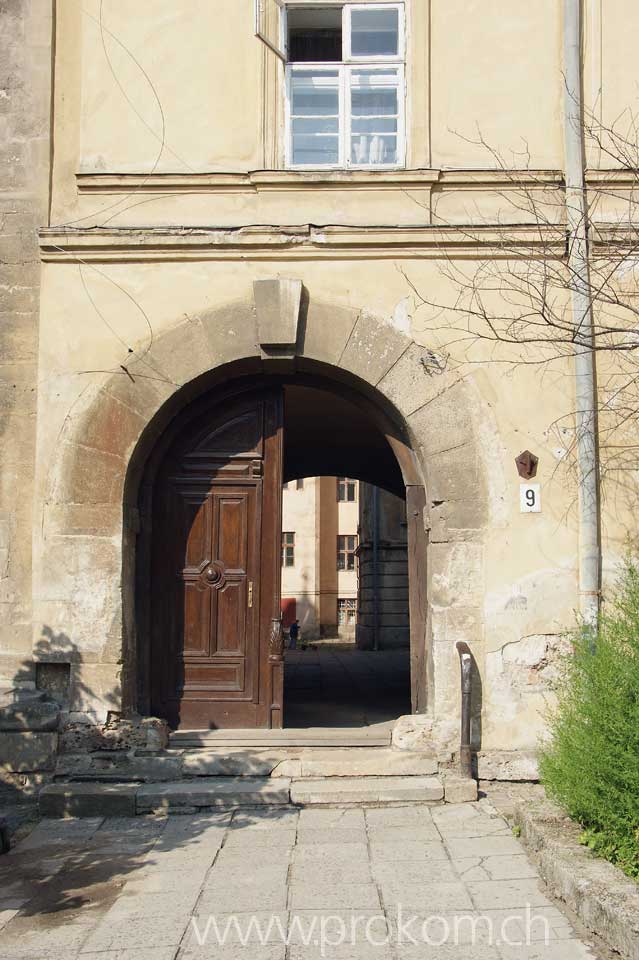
(303, 242)
(282, 181)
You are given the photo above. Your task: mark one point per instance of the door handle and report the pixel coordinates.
(250, 593)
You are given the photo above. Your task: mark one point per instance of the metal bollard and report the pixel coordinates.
(466, 664)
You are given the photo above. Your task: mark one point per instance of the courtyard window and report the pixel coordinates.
(288, 549)
(346, 490)
(346, 552)
(346, 611)
(345, 85)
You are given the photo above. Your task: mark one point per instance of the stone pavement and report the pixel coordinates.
(342, 883)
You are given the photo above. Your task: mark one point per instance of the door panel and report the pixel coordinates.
(214, 527)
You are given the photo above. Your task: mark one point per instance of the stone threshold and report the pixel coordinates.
(95, 799)
(602, 896)
(371, 736)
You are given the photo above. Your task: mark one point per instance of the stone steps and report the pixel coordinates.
(230, 761)
(376, 735)
(308, 762)
(80, 799)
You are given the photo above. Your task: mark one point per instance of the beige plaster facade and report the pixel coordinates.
(163, 198)
(316, 518)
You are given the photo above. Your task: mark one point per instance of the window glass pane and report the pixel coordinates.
(371, 100)
(312, 126)
(374, 33)
(374, 116)
(369, 150)
(315, 94)
(374, 125)
(315, 150)
(315, 117)
(314, 34)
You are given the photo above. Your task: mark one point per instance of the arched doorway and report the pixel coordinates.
(208, 560)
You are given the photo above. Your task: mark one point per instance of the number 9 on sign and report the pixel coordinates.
(530, 497)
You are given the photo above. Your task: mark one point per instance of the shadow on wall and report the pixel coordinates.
(36, 720)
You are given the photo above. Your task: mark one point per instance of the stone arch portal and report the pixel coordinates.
(283, 337)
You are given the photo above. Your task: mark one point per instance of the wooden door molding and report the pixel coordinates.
(215, 568)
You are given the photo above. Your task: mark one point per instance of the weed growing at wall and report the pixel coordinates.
(591, 765)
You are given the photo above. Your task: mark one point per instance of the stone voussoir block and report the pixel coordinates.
(373, 348)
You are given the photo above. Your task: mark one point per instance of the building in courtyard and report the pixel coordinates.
(238, 243)
(320, 537)
(344, 562)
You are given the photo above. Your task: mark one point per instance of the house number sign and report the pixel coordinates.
(530, 497)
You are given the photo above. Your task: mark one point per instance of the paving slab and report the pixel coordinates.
(155, 953)
(493, 894)
(504, 842)
(314, 894)
(127, 933)
(234, 951)
(410, 872)
(328, 819)
(334, 873)
(405, 850)
(404, 815)
(495, 868)
(331, 853)
(268, 927)
(439, 897)
(335, 835)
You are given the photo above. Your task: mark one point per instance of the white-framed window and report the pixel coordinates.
(346, 490)
(288, 548)
(346, 611)
(347, 551)
(345, 91)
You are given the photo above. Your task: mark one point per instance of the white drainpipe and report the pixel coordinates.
(585, 371)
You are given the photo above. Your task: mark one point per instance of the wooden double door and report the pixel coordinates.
(216, 643)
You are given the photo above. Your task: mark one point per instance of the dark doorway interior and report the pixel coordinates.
(338, 676)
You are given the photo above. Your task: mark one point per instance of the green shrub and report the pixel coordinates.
(591, 763)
